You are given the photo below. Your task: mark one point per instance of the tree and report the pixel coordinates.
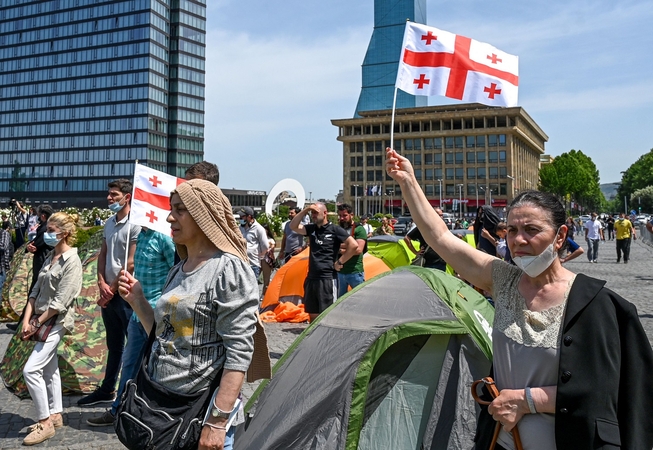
(638, 176)
(642, 198)
(573, 176)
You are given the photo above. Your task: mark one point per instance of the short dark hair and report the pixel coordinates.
(296, 209)
(122, 184)
(345, 207)
(46, 210)
(205, 171)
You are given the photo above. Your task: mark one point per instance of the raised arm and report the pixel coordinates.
(296, 223)
(471, 264)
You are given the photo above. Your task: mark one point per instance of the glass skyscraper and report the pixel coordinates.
(89, 86)
(382, 57)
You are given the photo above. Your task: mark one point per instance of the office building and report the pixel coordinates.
(87, 87)
(464, 156)
(383, 53)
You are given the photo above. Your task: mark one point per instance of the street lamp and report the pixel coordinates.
(460, 200)
(440, 192)
(392, 204)
(356, 197)
(482, 188)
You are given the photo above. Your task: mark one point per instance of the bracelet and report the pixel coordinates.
(215, 426)
(529, 400)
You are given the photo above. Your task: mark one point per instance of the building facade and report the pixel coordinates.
(87, 87)
(464, 156)
(383, 54)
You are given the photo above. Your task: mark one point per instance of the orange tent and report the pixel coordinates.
(287, 285)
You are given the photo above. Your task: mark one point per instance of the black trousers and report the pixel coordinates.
(623, 245)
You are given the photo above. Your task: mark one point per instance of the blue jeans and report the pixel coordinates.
(3, 277)
(256, 270)
(229, 439)
(116, 317)
(592, 249)
(131, 358)
(349, 279)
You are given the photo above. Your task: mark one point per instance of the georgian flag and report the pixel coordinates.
(437, 62)
(151, 198)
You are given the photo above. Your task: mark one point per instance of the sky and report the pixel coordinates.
(279, 72)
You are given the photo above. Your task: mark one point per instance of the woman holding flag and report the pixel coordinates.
(205, 319)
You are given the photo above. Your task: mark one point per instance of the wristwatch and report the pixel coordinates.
(38, 323)
(219, 414)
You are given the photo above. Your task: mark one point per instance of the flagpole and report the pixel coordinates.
(392, 121)
(128, 224)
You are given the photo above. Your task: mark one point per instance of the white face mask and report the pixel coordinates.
(535, 265)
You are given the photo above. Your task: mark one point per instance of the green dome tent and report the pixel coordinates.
(82, 354)
(388, 366)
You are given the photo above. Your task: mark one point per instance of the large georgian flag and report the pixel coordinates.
(436, 62)
(151, 198)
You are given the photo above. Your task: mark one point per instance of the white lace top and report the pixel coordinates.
(526, 351)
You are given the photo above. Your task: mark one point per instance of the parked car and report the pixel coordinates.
(402, 225)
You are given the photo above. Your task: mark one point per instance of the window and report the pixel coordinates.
(480, 141)
(480, 157)
(492, 140)
(459, 142)
(428, 174)
(428, 159)
(408, 144)
(449, 173)
(450, 189)
(503, 189)
(418, 174)
(493, 157)
(428, 144)
(471, 189)
(437, 159)
(480, 173)
(459, 157)
(502, 156)
(437, 142)
(471, 157)
(471, 173)
(417, 159)
(448, 158)
(494, 172)
(460, 173)
(448, 142)
(502, 140)
(503, 172)
(429, 191)
(471, 141)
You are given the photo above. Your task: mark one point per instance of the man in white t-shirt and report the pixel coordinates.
(593, 235)
(369, 229)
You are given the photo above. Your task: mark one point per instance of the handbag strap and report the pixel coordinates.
(489, 383)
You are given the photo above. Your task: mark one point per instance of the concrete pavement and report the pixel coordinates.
(633, 281)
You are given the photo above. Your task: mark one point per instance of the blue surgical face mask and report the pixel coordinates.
(51, 239)
(115, 207)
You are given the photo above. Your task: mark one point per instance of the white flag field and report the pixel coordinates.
(151, 198)
(436, 62)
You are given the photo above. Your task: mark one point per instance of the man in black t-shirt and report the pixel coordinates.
(431, 258)
(321, 285)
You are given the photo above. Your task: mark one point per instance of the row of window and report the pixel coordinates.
(74, 127)
(429, 159)
(106, 96)
(193, 21)
(188, 47)
(59, 143)
(471, 123)
(78, 114)
(40, 10)
(189, 33)
(161, 9)
(74, 170)
(62, 185)
(74, 44)
(433, 190)
(186, 102)
(436, 143)
(185, 158)
(187, 88)
(72, 156)
(157, 140)
(190, 7)
(186, 116)
(154, 154)
(184, 129)
(187, 60)
(70, 29)
(186, 74)
(96, 68)
(473, 173)
(187, 144)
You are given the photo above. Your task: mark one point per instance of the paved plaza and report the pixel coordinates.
(633, 281)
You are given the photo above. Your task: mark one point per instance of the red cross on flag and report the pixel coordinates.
(151, 198)
(436, 62)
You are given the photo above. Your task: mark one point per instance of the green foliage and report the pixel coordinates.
(83, 235)
(573, 176)
(330, 206)
(283, 211)
(642, 198)
(638, 176)
(275, 222)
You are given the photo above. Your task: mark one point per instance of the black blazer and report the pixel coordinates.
(605, 395)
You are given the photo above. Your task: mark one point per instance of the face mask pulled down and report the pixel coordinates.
(535, 265)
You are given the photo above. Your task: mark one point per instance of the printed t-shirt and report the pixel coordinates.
(325, 245)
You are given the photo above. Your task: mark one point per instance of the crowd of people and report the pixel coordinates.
(187, 305)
